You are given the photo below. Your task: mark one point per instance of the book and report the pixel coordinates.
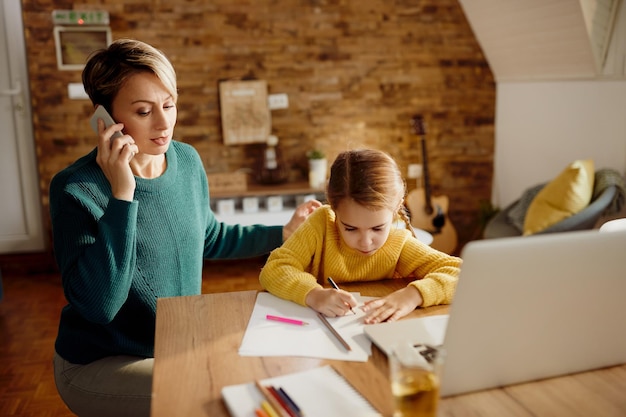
(319, 392)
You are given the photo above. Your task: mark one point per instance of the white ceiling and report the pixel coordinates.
(549, 39)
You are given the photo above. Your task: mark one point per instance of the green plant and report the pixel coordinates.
(486, 212)
(315, 154)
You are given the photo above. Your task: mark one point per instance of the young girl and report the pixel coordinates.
(355, 238)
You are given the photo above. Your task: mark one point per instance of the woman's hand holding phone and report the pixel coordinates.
(115, 151)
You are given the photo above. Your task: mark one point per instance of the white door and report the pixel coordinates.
(21, 227)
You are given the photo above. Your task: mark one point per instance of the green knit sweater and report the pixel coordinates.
(117, 257)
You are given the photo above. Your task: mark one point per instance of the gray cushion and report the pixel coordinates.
(501, 225)
(517, 212)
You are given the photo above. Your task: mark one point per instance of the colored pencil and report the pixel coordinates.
(278, 408)
(291, 402)
(260, 412)
(269, 410)
(286, 320)
(283, 401)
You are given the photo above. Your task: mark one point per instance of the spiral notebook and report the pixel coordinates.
(319, 392)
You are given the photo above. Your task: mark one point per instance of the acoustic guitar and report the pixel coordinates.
(427, 212)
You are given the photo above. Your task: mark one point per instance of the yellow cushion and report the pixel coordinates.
(561, 198)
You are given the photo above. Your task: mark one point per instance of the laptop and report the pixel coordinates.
(535, 307)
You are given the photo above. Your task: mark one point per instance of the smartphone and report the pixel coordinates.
(102, 113)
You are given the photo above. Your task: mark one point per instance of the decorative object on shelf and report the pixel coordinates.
(274, 203)
(318, 167)
(226, 207)
(272, 168)
(304, 198)
(245, 113)
(227, 182)
(250, 204)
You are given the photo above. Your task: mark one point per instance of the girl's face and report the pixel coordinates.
(148, 112)
(363, 229)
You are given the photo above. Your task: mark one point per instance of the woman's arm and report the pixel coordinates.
(301, 213)
(96, 254)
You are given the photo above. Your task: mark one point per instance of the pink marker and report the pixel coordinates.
(286, 320)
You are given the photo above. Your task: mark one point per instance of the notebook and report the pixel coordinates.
(528, 308)
(318, 392)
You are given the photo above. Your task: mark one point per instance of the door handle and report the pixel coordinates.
(13, 91)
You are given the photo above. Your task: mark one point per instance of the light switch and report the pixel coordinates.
(76, 91)
(277, 101)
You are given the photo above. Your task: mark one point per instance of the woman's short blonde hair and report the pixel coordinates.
(107, 70)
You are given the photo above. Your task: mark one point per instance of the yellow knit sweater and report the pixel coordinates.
(316, 251)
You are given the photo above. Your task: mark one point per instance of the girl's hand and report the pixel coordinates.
(330, 302)
(392, 307)
(113, 158)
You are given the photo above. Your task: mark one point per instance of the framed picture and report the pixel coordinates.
(75, 44)
(245, 112)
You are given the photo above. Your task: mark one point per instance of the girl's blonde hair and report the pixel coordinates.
(370, 178)
(107, 70)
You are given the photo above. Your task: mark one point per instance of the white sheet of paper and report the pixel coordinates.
(271, 338)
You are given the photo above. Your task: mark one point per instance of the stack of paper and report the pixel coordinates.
(319, 392)
(271, 338)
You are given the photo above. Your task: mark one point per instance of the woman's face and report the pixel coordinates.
(148, 112)
(363, 229)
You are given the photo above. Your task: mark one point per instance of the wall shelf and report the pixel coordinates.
(290, 194)
(290, 188)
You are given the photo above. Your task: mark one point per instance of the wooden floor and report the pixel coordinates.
(29, 313)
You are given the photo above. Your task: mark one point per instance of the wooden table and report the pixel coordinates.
(196, 354)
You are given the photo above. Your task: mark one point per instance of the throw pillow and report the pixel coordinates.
(562, 197)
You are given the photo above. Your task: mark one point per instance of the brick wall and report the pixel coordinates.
(355, 71)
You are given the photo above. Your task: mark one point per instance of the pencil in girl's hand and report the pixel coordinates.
(332, 283)
(335, 286)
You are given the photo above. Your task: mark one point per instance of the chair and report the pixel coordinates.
(500, 225)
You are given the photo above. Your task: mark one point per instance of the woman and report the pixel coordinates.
(131, 223)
